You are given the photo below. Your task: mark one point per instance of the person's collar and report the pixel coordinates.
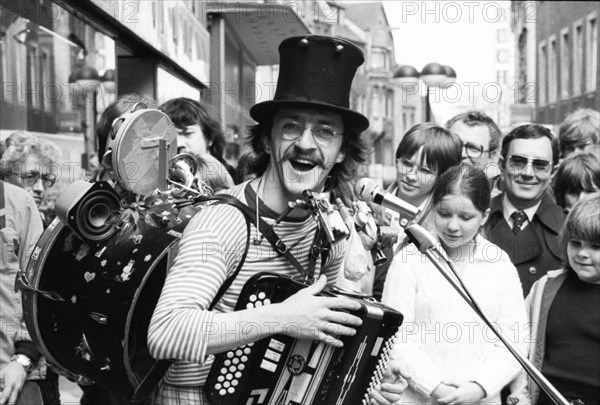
(508, 209)
(265, 211)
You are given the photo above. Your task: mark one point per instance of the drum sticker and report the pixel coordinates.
(99, 317)
(100, 252)
(127, 270)
(136, 239)
(103, 263)
(147, 258)
(84, 249)
(89, 276)
(74, 299)
(84, 349)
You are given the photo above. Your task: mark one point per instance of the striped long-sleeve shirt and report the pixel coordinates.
(210, 250)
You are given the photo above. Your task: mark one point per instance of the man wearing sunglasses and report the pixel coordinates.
(481, 140)
(525, 221)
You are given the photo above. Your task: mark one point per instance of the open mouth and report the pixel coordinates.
(302, 165)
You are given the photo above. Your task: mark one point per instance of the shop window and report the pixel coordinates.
(38, 61)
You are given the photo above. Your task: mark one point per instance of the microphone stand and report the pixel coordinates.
(427, 245)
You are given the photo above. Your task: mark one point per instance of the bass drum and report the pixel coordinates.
(88, 306)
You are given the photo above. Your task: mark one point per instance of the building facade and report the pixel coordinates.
(557, 57)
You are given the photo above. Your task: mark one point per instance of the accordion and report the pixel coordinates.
(284, 370)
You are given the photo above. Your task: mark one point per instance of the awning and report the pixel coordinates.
(261, 27)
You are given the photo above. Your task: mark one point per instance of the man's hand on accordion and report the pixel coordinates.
(305, 315)
(394, 382)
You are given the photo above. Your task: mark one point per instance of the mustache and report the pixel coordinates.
(297, 155)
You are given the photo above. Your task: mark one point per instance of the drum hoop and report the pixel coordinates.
(173, 245)
(30, 315)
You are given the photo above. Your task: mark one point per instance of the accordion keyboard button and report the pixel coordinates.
(262, 296)
(222, 392)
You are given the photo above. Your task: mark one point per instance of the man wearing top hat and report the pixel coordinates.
(306, 139)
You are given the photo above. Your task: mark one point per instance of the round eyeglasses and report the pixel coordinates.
(31, 177)
(410, 166)
(474, 150)
(322, 134)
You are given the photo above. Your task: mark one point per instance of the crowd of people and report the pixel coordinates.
(517, 215)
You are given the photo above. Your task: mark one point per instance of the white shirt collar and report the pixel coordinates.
(508, 209)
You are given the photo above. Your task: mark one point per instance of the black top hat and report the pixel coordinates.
(315, 71)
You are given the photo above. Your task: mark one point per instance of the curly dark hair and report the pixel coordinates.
(531, 131)
(185, 111)
(355, 148)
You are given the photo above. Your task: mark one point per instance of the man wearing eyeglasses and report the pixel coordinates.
(525, 221)
(306, 138)
(30, 163)
(481, 140)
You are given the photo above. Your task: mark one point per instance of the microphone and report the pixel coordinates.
(367, 190)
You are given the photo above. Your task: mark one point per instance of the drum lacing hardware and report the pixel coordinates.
(23, 282)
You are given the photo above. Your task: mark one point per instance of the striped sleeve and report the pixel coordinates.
(210, 250)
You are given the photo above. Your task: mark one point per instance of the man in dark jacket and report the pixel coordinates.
(525, 221)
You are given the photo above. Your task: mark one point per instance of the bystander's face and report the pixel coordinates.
(476, 147)
(588, 147)
(304, 146)
(191, 140)
(415, 181)
(32, 176)
(572, 198)
(584, 258)
(457, 220)
(527, 171)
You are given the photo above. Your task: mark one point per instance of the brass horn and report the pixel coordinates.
(182, 170)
